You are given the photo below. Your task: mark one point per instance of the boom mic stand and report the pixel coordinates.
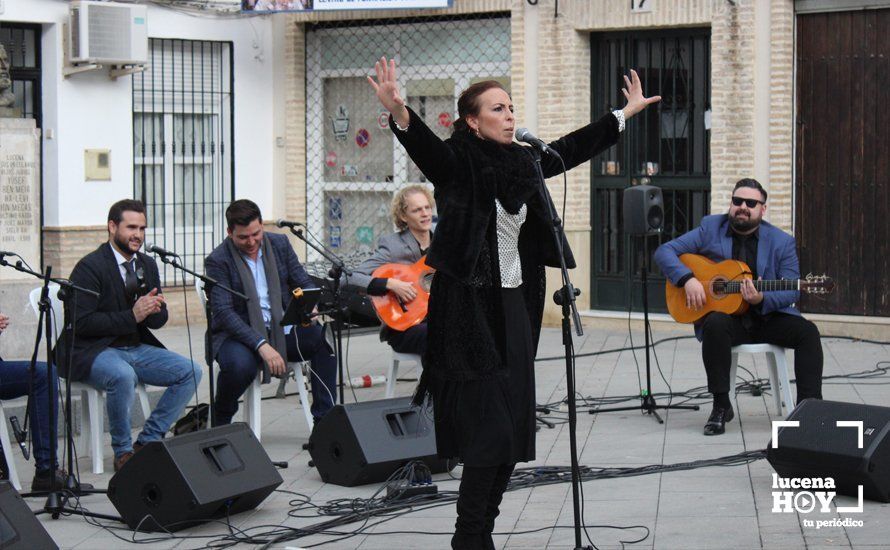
(209, 284)
(647, 402)
(56, 499)
(565, 297)
(335, 309)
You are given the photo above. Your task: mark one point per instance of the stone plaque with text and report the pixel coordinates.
(19, 192)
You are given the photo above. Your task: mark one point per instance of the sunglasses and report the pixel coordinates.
(750, 203)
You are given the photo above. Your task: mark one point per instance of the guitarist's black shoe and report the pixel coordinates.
(716, 424)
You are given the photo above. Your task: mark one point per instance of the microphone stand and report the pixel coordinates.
(56, 499)
(209, 284)
(336, 310)
(565, 297)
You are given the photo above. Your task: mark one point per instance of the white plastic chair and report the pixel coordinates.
(778, 372)
(6, 438)
(252, 410)
(397, 359)
(92, 409)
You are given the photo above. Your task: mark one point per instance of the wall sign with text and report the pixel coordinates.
(339, 5)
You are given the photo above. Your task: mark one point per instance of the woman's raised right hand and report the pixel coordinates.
(387, 89)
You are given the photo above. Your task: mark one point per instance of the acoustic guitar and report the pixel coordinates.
(723, 283)
(392, 311)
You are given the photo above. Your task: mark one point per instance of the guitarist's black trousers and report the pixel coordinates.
(412, 340)
(720, 332)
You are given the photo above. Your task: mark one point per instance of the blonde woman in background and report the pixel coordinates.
(412, 215)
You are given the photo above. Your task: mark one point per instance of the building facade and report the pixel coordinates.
(752, 88)
(186, 135)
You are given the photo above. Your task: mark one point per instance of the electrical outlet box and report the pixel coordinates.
(97, 164)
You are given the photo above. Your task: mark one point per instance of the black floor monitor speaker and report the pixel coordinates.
(188, 479)
(19, 529)
(819, 448)
(643, 210)
(360, 443)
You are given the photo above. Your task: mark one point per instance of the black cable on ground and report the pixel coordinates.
(379, 509)
(388, 503)
(749, 384)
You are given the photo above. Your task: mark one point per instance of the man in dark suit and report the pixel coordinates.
(742, 235)
(113, 346)
(248, 338)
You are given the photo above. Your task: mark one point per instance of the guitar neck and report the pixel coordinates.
(735, 287)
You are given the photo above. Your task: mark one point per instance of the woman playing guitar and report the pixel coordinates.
(412, 214)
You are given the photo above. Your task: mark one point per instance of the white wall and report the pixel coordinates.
(90, 110)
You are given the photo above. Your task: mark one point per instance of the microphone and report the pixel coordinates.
(522, 134)
(5, 253)
(20, 435)
(289, 224)
(160, 251)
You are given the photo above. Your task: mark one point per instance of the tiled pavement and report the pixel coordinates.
(707, 508)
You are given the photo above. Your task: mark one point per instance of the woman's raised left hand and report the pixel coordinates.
(636, 101)
(387, 89)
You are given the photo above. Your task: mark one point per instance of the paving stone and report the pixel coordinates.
(705, 508)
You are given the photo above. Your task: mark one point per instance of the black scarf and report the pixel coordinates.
(517, 179)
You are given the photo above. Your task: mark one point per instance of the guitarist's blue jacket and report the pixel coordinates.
(776, 259)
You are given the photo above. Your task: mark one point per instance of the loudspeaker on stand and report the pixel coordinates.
(643, 210)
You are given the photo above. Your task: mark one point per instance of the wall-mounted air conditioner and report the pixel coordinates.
(107, 32)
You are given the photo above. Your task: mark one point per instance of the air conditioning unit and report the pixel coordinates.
(107, 33)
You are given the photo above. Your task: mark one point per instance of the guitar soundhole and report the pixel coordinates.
(426, 280)
(718, 288)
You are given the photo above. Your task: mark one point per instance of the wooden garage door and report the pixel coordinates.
(842, 219)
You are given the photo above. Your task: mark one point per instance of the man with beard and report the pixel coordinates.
(770, 253)
(248, 338)
(113, 348)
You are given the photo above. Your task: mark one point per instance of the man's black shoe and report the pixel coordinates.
(716, 424)
(42, 482)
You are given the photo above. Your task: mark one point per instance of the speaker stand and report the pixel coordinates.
(647, 401)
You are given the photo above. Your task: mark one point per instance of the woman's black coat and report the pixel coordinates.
(466, 337)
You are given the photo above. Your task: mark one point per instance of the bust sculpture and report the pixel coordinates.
(7, 97)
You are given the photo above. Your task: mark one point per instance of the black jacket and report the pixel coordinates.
(98, 321)
(466, 180)
(466, 336)
(230, 316)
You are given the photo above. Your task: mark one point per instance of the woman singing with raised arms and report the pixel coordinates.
(492, 242)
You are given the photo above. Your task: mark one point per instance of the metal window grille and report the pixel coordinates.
(22, 44)
(667, 146)
(354, 162)
(182, 147)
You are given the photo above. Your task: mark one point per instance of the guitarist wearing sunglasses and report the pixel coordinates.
(741, 234)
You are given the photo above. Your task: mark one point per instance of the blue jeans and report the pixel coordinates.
(238, 366)
(14, 382)
(117, 370)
